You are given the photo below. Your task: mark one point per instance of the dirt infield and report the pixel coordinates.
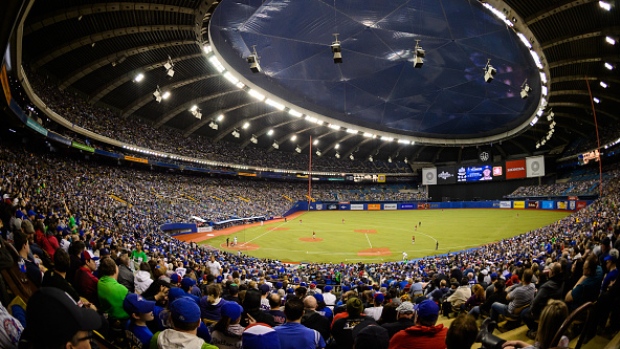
(311, 240)
(365, 231)
(240, 247)
(380, 251)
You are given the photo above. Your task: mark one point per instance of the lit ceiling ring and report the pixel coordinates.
(507, 15)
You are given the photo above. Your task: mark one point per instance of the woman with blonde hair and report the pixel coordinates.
(478, 295)
(551, 319)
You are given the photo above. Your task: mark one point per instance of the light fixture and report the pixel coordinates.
(275, 145)
(609, 66)
(246, 125)
(550, 116)
(544, 90)
(603, 84)
(270, 132)
(337, 155)
(196, 112)
(537, 145)
(236, 133)
(254, 139)
(370, 158)
(596, 100)
(406, 160)
(213, 125)
(351, 157)
(254, 61)
(543, 142)
(534, 121)
(525, 89)
(605, 5)
(610, 40)
(418, 55)
(139, 77)
(318, 152)
(169, 66)
(390, 159)
(489, 71)
(293, 138)
(220, 117)
(295, 113)
(337, 146)
(157, 95)
(298, 149)
(165, 95)
(337, 49)
(316, 142)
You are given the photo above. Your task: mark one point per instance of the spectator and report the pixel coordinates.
(293, 334)
(56, 277)
(459, 297)
(314, 320)
(551, 319)
(85, 282)
(404, 320)
(211, 304)
(215, 268)
(588, 286)
(251, 308)
(140, 312)
(260, 336)
(371, 337)
(138, 256)
(342, 329)
(227, 332)
(125, 275)
(377, 308)
(111, 293)
(551, 289)
(329, 297)
(143, 278)
(275, 303)
(519, 297)
(55, 320)
(185, 316)
(425, 334)
(462, 332)
(29, 266)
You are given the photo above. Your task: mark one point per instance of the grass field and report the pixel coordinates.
(383, 235)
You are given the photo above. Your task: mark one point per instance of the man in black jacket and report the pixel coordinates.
(404, 315)
(251, 306)
(552, 289)
(312, 319)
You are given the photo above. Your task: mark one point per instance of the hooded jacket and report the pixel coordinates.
(211, 311)
(171, 339)
(142, 281)
(420, 337)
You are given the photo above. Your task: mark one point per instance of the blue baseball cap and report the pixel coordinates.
(187, 282)
(185, 310)
(232, 310)
(135, 304)
(427, 310)
(327, 288)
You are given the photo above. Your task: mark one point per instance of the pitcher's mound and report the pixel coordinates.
(380, 251)
(241, 247)
(311, 239)
(365, 231)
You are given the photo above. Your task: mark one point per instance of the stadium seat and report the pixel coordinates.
(580, 315)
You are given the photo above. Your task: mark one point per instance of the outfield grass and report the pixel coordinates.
(454, 229)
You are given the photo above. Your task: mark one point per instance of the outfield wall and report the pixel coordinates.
(564, 205)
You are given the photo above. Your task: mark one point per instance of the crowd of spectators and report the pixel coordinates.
(573, 188)
(69, 234)
(136, 131)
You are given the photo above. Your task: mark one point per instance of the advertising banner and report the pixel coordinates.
(357, 207)
(535, 166)
(205, 229)
(374, 207)
(561, 205)
(319, 207)
(82, 147)
(518, 204)
(479, 173)
(344, 207)
(505, 204)
(574, 198)
(581, 204)
(135, 159)
(429, 176)
(390, 206)
(407, 206)
(548, 205)
(446, 175)
(515, 169)
(571, 205)
(381, 178)
(532, 204)
(35, 126)
(58, 138)
(332, 207)
(422, 206)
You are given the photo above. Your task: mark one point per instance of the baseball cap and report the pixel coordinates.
(319, 297)
(405, 308)
(345, 289)
(184, 310)
(379, 298)
(327, 288)
(610, 258)
(303, 284)
(427, 310)
(86, 257)
(104, 252)
(493, 276)
(187, 282)
(135, 304)
(175, 278)
(371, 337)
(260, 336)
(264, 288)
(53, 318)
(232, 310)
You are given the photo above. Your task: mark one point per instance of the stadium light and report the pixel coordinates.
(270, 132)
(603, 84)
(138, 77)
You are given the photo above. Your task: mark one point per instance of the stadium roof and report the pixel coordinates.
(98, 48)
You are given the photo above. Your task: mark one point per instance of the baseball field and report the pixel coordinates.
(350, 236)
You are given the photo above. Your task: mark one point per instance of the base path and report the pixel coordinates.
(377, 251)
(240, 247)
(311, 239)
